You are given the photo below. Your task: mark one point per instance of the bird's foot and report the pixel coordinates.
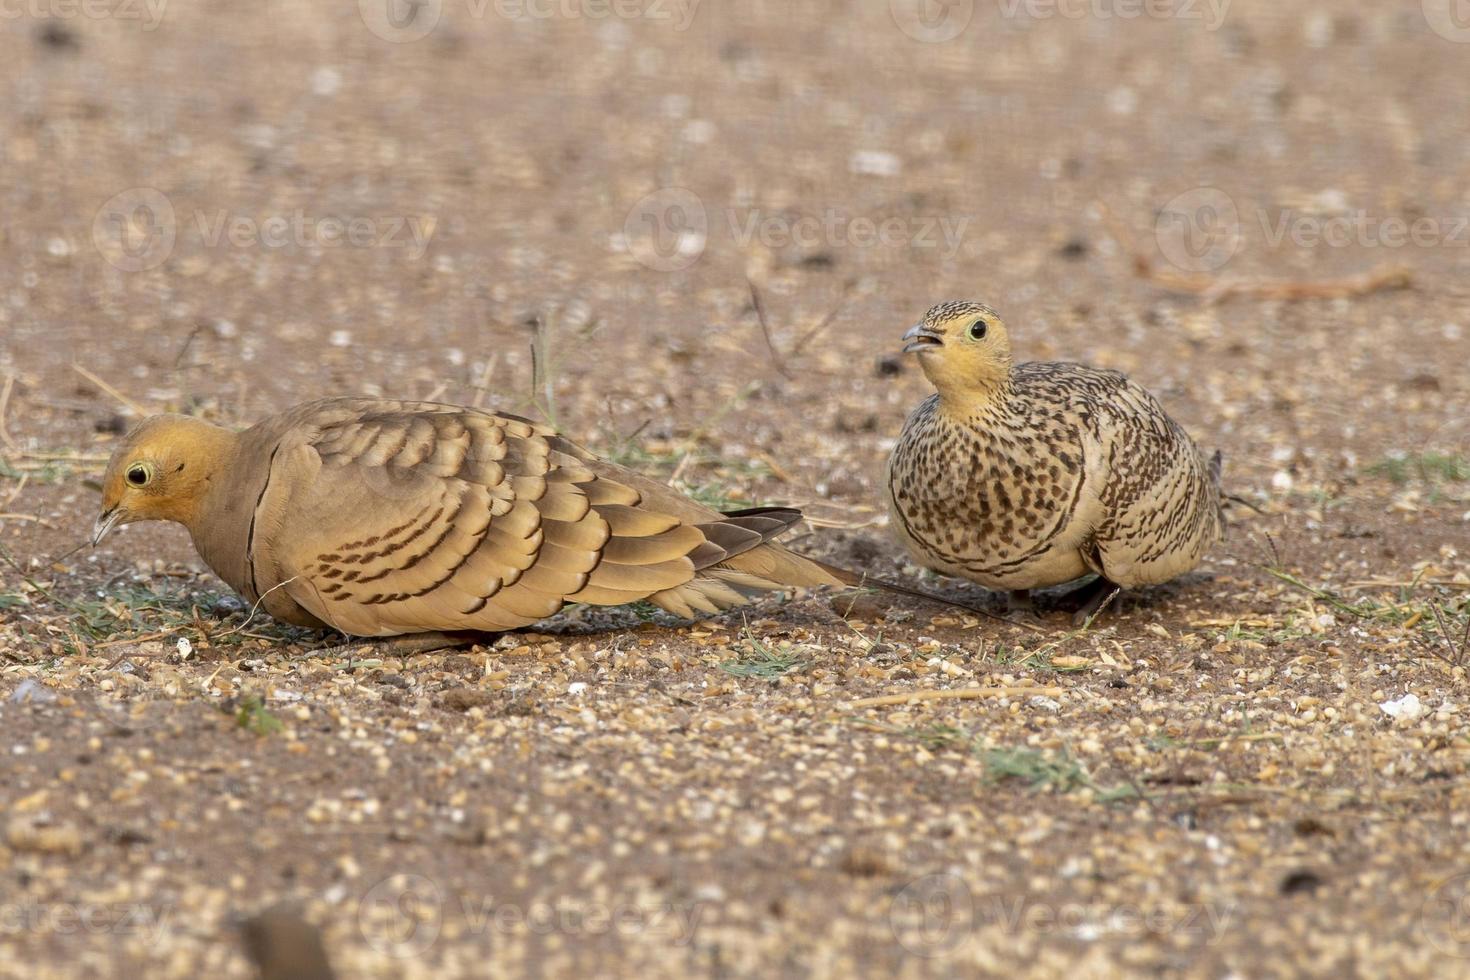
(1020, 608)
(1087, 601)
(407, 645)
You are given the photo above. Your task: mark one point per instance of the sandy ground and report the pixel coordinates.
(229, 208)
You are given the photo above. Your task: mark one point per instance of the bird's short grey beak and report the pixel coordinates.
(921, 338)
(104, 525)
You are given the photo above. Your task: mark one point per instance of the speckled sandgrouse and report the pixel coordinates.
(1029, 475)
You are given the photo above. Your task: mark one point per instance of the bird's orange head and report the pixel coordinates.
(160, 471)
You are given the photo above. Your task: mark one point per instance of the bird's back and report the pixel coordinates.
(380, 517)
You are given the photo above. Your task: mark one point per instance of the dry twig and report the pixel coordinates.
(760, 315)
(959, 694)
(122, 399)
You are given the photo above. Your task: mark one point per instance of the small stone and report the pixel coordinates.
(864, 862)
(866, 606)
(888, 366)
(1406, 708)
(227, 605)
(875, 163)
(326, 81)
(38, 837)
(30, 691)
(114, 425)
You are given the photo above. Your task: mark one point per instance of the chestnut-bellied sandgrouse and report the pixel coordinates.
(1020, 476)
(380, 518)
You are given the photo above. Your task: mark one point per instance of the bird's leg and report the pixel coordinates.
(1019, 605)
(410, 644)
(1089, 599)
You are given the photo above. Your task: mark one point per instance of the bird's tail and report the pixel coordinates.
(741, 558)
(1223, 499)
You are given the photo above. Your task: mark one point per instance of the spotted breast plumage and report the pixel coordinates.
(1024, 476)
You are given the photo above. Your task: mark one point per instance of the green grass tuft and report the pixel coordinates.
(712, 480)
(760, 659)
(253, 717)
(1037, 769)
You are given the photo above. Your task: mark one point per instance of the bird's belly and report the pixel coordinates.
(953, 542)
(1054, 566)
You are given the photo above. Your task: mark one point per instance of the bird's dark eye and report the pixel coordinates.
(138, 475)
(977, 330)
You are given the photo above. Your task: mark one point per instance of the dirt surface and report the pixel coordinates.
(235, 207)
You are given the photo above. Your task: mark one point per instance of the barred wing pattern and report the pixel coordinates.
(384, 517)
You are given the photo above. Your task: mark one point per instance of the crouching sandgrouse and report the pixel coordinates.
(1021, 476)
(380, 518)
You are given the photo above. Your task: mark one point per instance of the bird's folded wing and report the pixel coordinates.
(394, 518)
